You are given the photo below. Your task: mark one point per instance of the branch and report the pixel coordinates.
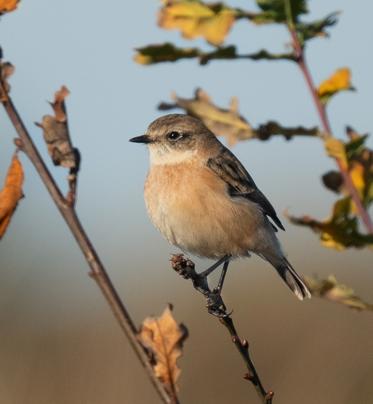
(97, 269)
(186, 269)
(321, 110)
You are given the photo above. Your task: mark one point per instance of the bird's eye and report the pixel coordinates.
(173, 136)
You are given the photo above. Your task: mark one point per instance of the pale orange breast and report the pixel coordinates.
(190, 206)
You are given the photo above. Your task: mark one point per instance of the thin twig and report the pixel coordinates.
(321, 110)
(98, 271)
(186, 269)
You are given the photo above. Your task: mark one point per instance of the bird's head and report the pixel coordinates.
(177, 138)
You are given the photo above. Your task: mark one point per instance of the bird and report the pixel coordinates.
(203, 201)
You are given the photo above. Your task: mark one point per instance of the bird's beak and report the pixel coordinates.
(141, 139)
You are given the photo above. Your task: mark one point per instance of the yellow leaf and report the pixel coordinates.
(334, 291)
(195, 19)
(11, 193)
(164, 338)
(357, 176)
(8, 5)
(336, 149)
(340, 230)
(339, 81)
(142, 59)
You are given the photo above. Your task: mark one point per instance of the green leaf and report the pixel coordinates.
(340, 230)
(355, 146)
(279, 11)
(313, 29)
(272, 128)
(163, 53)
(229, 52)
(168, 52)
(336, 292)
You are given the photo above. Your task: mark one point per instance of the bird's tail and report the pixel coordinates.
(292, 279)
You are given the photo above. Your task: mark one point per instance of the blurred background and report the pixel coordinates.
(59, 342)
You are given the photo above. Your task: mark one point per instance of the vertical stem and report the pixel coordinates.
(98, 271)
(321, 110)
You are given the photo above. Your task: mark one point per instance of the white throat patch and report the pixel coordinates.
(160, 156)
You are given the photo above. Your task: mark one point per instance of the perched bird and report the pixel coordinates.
(202, 199)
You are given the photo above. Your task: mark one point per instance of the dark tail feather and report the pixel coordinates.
(292, 279)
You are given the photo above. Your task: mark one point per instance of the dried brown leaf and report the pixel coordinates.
(11, 193)
(222, 122)
(6, 70)
(336, 292)
(229, 122)
(58, 104)
(163, 338)
(56, 133)
(8, 5)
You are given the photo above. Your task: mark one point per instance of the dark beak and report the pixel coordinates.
(141, 139)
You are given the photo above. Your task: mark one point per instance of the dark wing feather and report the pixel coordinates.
(239, 182)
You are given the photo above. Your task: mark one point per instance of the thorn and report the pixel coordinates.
(249, 376)
(235, 339)
(245, 343)
(19, 143)
(269, 395)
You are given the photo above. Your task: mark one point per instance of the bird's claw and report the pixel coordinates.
(215, 304)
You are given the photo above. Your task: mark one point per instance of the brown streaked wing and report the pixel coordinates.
(240, 183)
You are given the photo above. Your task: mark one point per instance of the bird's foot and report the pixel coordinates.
(186, 268)
(215, 304)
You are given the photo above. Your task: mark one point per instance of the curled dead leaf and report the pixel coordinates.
(334, 291)
(222, 122)
(56, 133)
(229, 122)
(58, 104)
(163, 338)
(6, 70)
(11, 193)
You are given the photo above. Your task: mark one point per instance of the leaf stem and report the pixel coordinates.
(98, 271)
(321, 110)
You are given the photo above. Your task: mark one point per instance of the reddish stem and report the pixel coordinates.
(321, 110)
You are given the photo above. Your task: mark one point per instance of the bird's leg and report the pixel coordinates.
(186, 269)
(217, 264)
(215, 303)
(222, 276)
